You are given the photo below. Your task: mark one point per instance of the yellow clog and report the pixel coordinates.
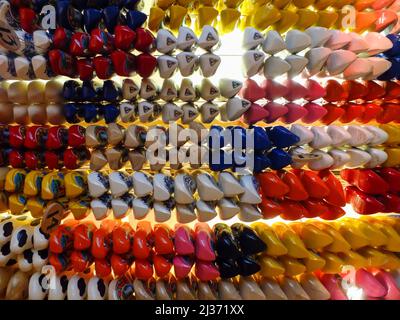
(313, 238)
(156, 17)
(313, 262)
(326, 19)
(15, 179)
(352, 258)
(352, 234)
(33, 182)
(270, 267)
(375, 236)
(206, 16)
(339, 243)
(292, 242)
(341, 3)
(228, 21)
(333, 264)
(302, 3)
(184, 3)
(265, 17)
(164, 4)
(75, 184)
(393, 262)
(393, 132)
(36, 206)
(274, 245)
(53, 186)
(374, 258)
(232, 3)
(323, 4)
(307, 18)
(293, 267)
(17, 203)
(288, 19)
(393, 157)
(280, 4)
(177, 15)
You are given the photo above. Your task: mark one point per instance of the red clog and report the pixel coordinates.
(371, 112)
(102, 267)
(391, 177)
(255, 114)
(251, 91)
(355, 90)
(80, 261)
(363, 203)
(120, 264)
(296, 188)
(122, 238)
(315, 208)
(366, 180)
(374, 91)
(295, 90)
(390, 113)
(293, 210)
(392, 90)
(270, 208)
(333, 113)
(335, 92)
(83, 235)
(352, 112)
(336, 195)
(142, 242)
(333, 212)
(273, 90)
(144, 40)
(315, 90)
(125, 38)
(314, 185)
(391, 202)
(146, 64)
(102, 240)
(271, 185)
(143, 269)
(162, 265)
(163, 239)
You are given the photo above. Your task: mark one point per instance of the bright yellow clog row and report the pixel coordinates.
(300, 247)
(281, 15)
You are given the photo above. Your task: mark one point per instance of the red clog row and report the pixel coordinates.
(373, 191)
(333, 91)
(297, 194)
(37, 137)
(363, 113)
(367, 91)
(99, 41)
(104, 67)
(116, 246)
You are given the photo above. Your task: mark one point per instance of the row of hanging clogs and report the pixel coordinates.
(372, 285)
(118, 245)
(83, 15)
(111, 91)
(331, 53)
(305, 247)
(217, 147)
(295, 194)
(281, 15)
(205, 112)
